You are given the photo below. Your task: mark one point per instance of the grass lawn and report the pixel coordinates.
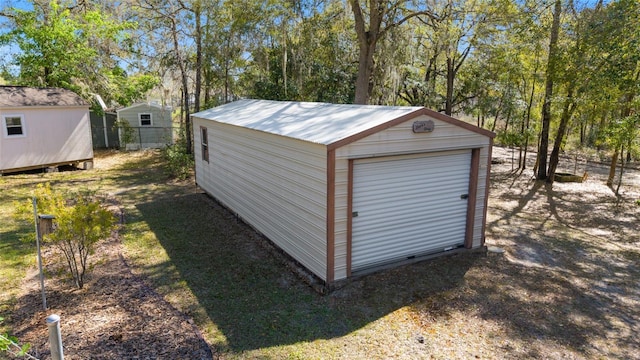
(567, 285)
(15, 255)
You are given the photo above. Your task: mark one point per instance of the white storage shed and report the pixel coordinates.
(345, 189)
(43, 128)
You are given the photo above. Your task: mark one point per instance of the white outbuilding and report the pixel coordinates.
(43, 128)
(347, 189)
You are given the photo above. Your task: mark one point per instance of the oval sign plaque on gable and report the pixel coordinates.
(423, 126)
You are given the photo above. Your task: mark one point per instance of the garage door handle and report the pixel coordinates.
(464, 196)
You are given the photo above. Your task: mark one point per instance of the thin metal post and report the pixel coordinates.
(35, 217)
(55, 338)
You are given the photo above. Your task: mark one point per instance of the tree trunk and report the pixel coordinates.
(567, 111)
(448, 105)
(185, 86)
(226, 80)
(284, 58)
(367, 40)
(548, 93)
(612, 167)
(614, 159)
(526, 123)
(495, 119)
(197, 10)
(507, 121)
(365, 69)
(226, 68)
(621, 170)
(453, 66)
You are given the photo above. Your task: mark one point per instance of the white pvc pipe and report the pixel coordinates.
(55, 338)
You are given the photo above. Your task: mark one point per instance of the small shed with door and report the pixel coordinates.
(145, 125)
(43, 128)
(347, 189)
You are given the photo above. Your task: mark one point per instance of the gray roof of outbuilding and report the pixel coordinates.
(22, 96)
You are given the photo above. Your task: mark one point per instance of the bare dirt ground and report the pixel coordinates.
(115, 316)
(566, 286)
(569, 279)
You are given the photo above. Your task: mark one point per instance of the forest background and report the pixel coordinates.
(546, 74)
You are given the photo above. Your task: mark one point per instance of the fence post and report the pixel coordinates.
(55, 338)
(39, 255)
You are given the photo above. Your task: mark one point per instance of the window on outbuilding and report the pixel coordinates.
(13, 125)
(204, 141)
(145, 119)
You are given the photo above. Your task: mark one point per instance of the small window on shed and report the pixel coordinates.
(13, 125)
(204, 140)
(145, 119)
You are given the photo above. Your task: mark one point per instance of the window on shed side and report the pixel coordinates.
(13, 125)
(145, 119)
(204, 141)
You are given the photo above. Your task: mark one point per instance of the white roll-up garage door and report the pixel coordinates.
(408, 206)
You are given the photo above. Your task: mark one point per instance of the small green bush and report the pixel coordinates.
(179, 163)
(127, 133)
(80, 222)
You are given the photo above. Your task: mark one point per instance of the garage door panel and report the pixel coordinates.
(382, 205)
(420, 190)
(407, 217)
(392, 171)
(414, 237)
(408, 206)
(424, 183)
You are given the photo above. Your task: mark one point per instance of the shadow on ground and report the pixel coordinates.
(255, 300)
(569, 274)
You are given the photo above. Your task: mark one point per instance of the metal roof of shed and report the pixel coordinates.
(320, 123)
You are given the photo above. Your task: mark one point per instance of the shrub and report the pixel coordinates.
(80, 222)
(178, 163)
(127, 133)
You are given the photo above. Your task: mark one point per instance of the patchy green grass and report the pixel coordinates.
(566, 286)
(131, 177)
(249, 304)
(16, 256)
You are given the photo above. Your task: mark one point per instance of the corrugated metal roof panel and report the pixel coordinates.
(319, 123)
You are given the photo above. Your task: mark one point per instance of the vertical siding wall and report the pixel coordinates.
(276, 184)
(160, 118)
(399, 140)
(159, 134)
(53, 136)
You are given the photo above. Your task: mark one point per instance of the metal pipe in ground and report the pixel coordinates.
(55, 338)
